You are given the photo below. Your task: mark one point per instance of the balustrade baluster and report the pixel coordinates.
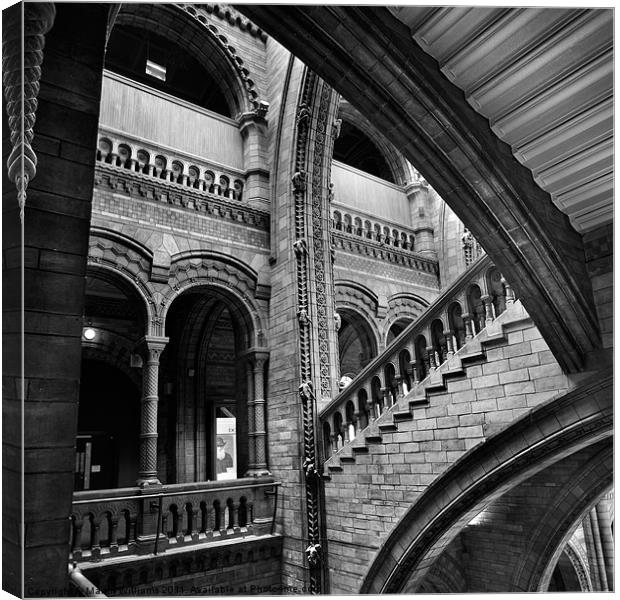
(113, 534)
(334, 440)
(399, 386)
(430, 357)
(94, 538)
(449, 342)
(510, 296)
(133, 531)
(194, 531)
(77, 539)
(346, 431)
(488, 309)
(164, 524)
(370, 409)
(414, 372)
(469, 327)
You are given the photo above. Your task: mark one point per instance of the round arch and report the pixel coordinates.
(190, 29)
(358, 341)
(577, 421)
(397, 163)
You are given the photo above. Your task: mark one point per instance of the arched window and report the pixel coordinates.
(158, 62)
(354, 148)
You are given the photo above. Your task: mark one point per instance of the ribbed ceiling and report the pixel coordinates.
(544, 79)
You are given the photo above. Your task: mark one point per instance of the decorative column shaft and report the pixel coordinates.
(510, 295)
(251, 421)
(260, 435)
(152, 347)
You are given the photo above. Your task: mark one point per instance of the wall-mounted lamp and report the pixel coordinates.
(89, 333)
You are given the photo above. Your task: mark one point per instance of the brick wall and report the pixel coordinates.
(249, 567)
(369, 496)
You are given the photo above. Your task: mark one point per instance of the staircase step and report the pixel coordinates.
(419, 401)
(359, 449)
(335, 467)
(346, 458)
(403, 415)
(387, 427)
(373, 437)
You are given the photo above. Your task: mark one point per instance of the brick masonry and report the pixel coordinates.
(370, 495)
(247, 567)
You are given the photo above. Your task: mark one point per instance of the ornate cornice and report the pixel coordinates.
(21, 64)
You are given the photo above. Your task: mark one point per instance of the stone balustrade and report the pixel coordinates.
(121, 150)
(471, 303)
(347, 222)
(129, 521)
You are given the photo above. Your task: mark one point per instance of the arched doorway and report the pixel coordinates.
(357, 344)
(207, 379)
(108, 431)
(108, 428)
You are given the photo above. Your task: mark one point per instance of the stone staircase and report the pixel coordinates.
(446, 378)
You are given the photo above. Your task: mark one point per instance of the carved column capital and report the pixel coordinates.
(150, 347)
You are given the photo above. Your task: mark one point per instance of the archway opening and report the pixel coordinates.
(354, 148)
(356, 343)
(207, 378)
(396, 329)
(108, 428)
(149, 58)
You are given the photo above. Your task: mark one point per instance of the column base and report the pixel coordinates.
(258, 473)
(148, 482)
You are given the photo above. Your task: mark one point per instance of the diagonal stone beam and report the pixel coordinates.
(368, 56)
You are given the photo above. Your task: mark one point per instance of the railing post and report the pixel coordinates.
(113, 535)
(370, 408)
(399, 385)
(95, 547)
(469, 331)
(413, 366)
(430, 353)
(488, 309)
(449, 342)
(510, 296)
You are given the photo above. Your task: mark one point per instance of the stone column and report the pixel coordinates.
(251, 421)
(252, 126)
(260, 435)
(151, 349)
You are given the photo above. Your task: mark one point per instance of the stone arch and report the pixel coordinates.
(115, 351)
(191, 29)
(355, 329)
(579, 421)
(579, 564)
(357, 296)
(398, 164)
(224, 274)
(121, 278)
(530, 240)
(402, 306)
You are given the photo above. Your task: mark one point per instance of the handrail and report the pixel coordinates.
(140, 492)
(476, 268)
(83, 584)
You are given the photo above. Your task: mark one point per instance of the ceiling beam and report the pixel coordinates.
(368, 56)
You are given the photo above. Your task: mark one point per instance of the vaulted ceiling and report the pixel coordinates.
(543, 77)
